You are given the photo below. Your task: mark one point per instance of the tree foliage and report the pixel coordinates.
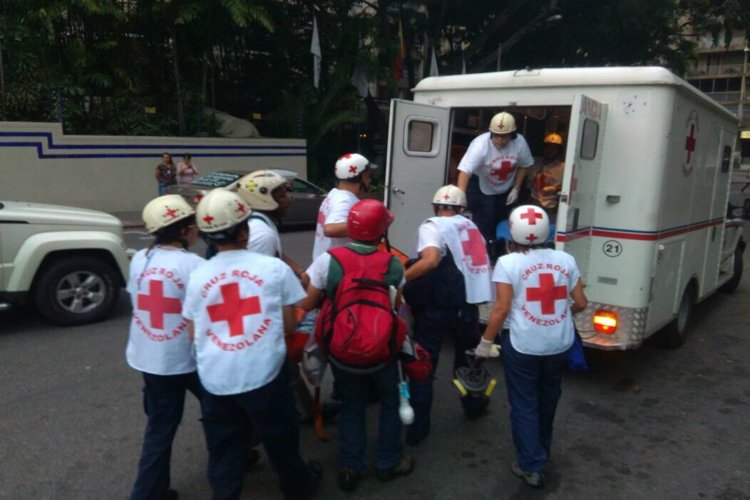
(152, 66)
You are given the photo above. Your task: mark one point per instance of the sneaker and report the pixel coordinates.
(404, 468)
(533, 479)
(348, 478)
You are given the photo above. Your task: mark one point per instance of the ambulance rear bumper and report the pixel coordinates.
(630, 333)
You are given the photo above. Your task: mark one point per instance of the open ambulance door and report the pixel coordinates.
(583, 163)
(416, 167)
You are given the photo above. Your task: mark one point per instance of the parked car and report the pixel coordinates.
(306, 196)
(69, 263)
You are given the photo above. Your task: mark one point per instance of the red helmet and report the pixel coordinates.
(368, 220)
(419, 367)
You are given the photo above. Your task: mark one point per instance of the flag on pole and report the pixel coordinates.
(398, 64)
(359, 78)
(433, 64)
(317, 54)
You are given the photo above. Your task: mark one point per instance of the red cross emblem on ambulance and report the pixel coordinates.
(233, 309)
(547, 293)
(157, 305)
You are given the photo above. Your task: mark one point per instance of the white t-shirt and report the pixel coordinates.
(159, 343)
(236, 301)
(468, 250)
(334, 209)
(540, 319)
(495, 168)
(264, 237)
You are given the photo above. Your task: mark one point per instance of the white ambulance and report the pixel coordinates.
(643, 206)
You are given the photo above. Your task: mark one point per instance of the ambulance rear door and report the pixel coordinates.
(417, 166)
(583, 163)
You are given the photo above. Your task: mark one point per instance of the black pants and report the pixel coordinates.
(431, 325)
(163, 403)
(486, 212)
(271, 410)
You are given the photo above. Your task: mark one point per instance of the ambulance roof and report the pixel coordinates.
(566, 77)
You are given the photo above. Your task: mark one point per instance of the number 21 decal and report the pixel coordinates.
(612, 248)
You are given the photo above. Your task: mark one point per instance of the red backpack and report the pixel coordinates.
(359, 329)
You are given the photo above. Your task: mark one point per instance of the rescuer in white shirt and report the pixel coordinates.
(353, 173)
(240, 303)
(539, 290)
(267, 192)
(159, 344)
(491, 174)
(444, 286)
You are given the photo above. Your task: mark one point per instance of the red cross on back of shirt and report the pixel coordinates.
(547, 293)
(690, 142)
(321, 218)
(474, 248)
(502, 173)
(233, 309)
(157, 305)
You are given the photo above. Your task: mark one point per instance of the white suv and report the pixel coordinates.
(70, 263)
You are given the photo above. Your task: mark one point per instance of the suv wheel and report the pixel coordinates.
(76, 290)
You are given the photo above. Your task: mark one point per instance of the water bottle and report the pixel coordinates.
(405, 411)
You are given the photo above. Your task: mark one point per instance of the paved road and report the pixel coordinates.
(650, 423)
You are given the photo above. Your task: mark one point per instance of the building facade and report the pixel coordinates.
(723, 72)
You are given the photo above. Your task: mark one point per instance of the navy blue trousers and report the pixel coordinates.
(534, 387)
(275, 420)
(355, 391)
(163, 403)
(486, 212)
(431, 325)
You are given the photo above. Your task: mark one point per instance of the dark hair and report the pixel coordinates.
(187, 155)
(172, 232)
(227, 236)
(456, 208)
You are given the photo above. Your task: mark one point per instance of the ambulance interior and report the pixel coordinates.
(532, 122)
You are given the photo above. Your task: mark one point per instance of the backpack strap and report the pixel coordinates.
(350, 260)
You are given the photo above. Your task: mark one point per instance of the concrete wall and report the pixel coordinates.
(116, 173)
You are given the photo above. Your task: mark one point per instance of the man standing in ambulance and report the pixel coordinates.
(353, 173)
(539, 290)
(444, 286)
(547, 180)
(240, 304)
(491, 174)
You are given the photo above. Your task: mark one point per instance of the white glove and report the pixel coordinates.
(512, 197)
(484, 349)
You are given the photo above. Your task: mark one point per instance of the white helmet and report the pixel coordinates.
(352, 165)
(257, 188)
(529, 225)
(503, 123)
(449, 195)
(165, 210)
(220, 210)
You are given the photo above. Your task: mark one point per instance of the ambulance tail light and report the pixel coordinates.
(605, 321)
